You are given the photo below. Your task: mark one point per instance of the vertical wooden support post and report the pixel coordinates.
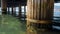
(39, 16)
(19, 10)
(14, 9)
(4, 6)
(24, 12)
(8, 11)
(12, 6)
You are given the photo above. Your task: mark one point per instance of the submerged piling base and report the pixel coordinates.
(37, 28)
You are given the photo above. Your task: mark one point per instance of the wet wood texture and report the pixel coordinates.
(4, 6)
(39, 15)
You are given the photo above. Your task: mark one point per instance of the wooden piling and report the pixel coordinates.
(4, 6)
(39, 15)
(20, 11)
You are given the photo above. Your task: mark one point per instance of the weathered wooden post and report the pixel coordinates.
(24, 12)
(19, 11)
(4, 6)
(12, 7)
(8, 11)
(39, 16)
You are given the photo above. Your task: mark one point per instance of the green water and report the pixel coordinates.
(11, 25)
